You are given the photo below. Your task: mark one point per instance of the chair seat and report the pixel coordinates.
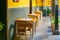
(22, 33)
(21, 30)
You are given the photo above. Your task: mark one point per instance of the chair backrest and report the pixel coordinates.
(38, 13)
(33, 17)
(29, 24)
(21, 25)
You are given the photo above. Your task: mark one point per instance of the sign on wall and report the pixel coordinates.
(15, 0)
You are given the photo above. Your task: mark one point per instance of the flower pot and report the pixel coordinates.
(3, 34)
(50, 14)
(53, 27)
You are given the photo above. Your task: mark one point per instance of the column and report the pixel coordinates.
(56, 32)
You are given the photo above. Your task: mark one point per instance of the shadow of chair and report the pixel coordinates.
(22, 27)
(11, 32)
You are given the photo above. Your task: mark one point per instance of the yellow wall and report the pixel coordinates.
(25, 3)
(45, 3)
(21, 3)
(59, 2)
(48, 2)
(33, 2)
(39, 2)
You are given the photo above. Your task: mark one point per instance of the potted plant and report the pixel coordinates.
(2, 33)
(53, 22)
(1, 26)
(49, 12)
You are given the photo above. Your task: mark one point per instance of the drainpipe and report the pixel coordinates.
(53, 7)
(55, 11)
(30, 6)
(36, 6)
(42, 4)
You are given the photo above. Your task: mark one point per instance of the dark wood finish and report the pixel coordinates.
(7, 34)
(53, 6)
(22, 27)
(30, 6)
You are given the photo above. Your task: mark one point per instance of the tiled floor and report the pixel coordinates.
(43, 31)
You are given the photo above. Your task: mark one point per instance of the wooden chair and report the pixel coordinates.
(39, 13)
(35, 19)
(22, 27)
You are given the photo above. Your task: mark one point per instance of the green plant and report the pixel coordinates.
(53, 20)
(1, 26)
(48, 10)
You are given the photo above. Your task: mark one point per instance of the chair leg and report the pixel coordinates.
(19, 36)
(15, 37)
(35, 29)
(26, 35)
(31, 35)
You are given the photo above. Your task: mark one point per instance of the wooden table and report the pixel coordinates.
(27, 20)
